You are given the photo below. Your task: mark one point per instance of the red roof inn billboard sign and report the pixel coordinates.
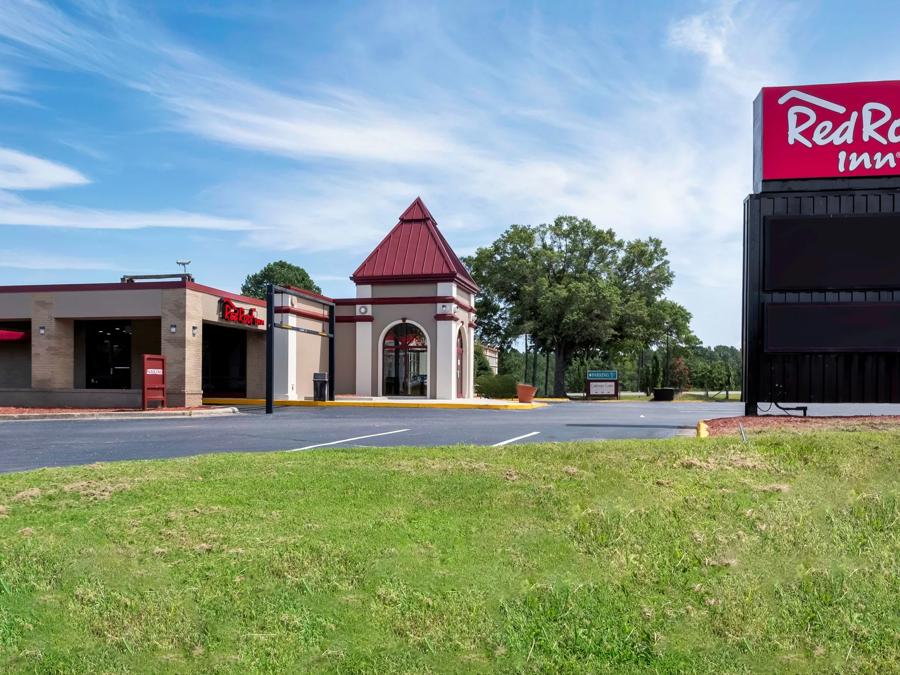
(235, 314)
(827, 131)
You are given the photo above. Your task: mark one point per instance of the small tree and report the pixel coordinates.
(281, 273)
(700, 376)
(681, 374)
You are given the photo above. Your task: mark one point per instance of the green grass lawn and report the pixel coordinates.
(666, 556)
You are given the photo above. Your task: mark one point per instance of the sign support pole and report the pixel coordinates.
(270, 349)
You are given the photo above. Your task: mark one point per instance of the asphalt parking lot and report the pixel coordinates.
(28, 445)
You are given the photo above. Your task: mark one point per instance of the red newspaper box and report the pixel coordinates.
(154, 380)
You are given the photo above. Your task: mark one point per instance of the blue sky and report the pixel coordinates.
(234, 133)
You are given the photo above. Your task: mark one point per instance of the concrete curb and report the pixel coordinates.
(377, 404)
(123, 415)
(702, 429)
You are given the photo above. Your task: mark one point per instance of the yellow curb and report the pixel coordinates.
(702, 429)
(376, 404)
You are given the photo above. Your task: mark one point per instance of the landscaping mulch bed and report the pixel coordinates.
(725, 426)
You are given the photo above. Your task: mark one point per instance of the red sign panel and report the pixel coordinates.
(154, 380)
(827, 131)
(235, 314)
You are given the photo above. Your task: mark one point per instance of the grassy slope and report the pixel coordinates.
(626, 556)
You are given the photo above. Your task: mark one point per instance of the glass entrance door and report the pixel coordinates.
(107, 354)
(404, 358)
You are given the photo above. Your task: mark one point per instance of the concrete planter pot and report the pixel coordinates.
(664, 394)
(525, 392)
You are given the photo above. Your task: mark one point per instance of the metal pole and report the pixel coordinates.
(270, 349)
(331, 352)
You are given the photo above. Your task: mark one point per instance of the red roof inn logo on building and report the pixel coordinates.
(827, 131)
(235, 314)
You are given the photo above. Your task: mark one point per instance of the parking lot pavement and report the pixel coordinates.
(32, 444)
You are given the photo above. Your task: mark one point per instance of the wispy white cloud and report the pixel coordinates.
(17, 211)
(30, 260)
(19, 171)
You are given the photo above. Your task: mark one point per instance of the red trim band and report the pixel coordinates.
(414, 300)
(445, 317)
(365, 318)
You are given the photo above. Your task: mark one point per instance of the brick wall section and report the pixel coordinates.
(52, 354)
(182, 349)
(256, 364)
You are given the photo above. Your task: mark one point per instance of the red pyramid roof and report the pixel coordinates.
(415, 250)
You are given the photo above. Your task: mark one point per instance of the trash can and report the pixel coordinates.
(320, 386)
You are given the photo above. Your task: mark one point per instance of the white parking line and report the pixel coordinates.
(347, 440)
(517, 438)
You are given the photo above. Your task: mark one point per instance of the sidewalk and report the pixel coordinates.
(386, 402)
(12, 414)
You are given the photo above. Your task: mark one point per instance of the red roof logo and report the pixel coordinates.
(415, 250)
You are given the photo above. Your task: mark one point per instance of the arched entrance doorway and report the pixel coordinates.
(404, 358)
(460, 361)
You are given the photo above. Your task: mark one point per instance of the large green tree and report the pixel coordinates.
(576, 288)
(281, 273)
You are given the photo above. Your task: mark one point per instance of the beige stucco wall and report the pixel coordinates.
(209, 310)
(15, 306)
(125, 304)
(312, 357)
(465, 296)
(345, 357)
(403, 290)
(256, 364)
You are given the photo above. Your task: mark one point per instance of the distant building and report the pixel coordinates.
(493, 357)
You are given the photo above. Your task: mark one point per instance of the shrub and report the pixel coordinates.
(496, 386)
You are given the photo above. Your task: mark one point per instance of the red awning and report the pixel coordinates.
(12, 335)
